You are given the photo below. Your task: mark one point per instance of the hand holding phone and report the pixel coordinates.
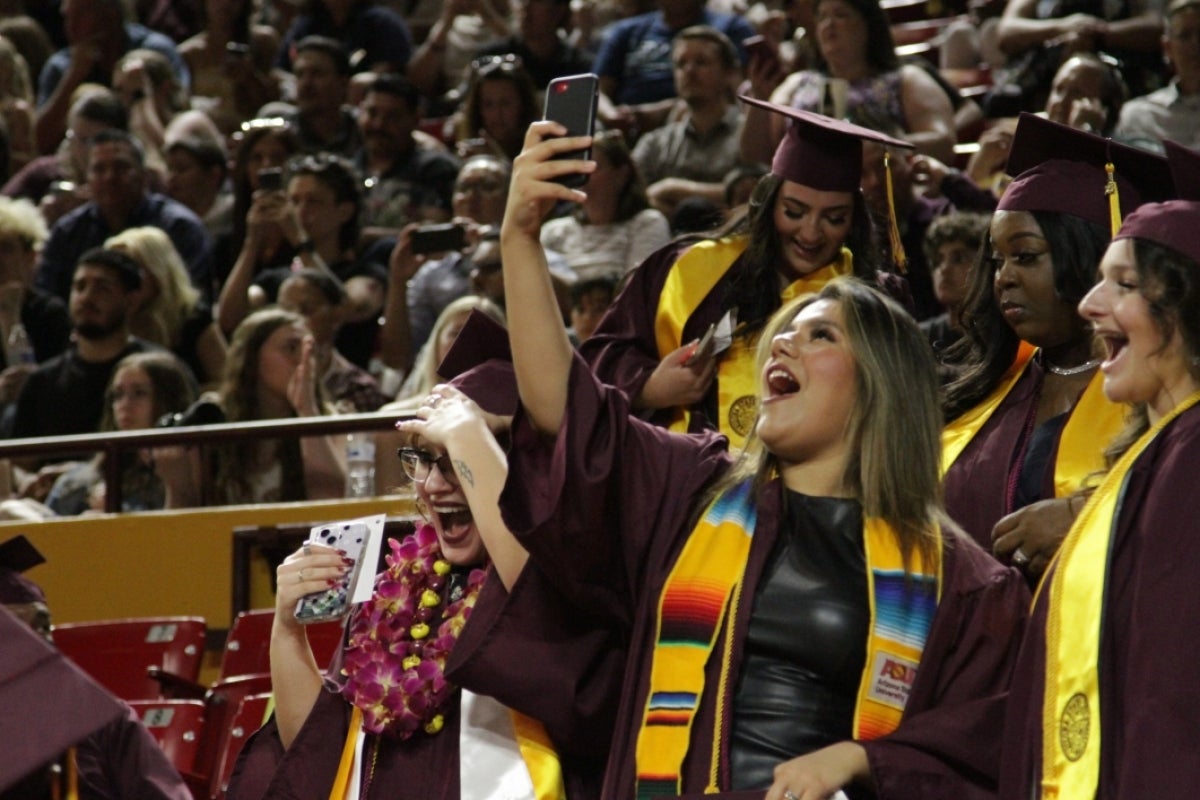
(704, 348)
(350, 538)
(270, 179)
(571, 102)
(439, 238)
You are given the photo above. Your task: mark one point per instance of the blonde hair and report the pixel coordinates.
(424, 375)
(20, 218)
(19, 85)
(161, 319)
(895, 427)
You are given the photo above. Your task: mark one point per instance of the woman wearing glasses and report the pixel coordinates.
(404, 725)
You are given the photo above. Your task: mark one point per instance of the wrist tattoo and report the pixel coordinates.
(464, 472)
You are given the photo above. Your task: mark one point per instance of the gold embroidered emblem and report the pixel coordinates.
(742, 413)
(1073, 727)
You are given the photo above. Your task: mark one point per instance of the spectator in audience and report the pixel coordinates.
(691, 156)
(590, 299)
(144, 386)
(634, 62)
(442, 59)
(740, 182)
(323, 121)
(1087, 93)
(1027, 419)
(318, 214)
(148, 88)
(119, 758)
(321, 300)
(120, 200)
(499, 104)
(31, 41)
(65, 171)
(1038, 37)
(179, 19)
(232, 63)
(167, 310)
(196, 172)
(405, 182)
(98, 35)
(540, 42)
(614, 229)
(270, 374)
(479, 196)
(855, 46)
(66, 394)
(952, 245)
(42, 317)
(841, 373)
(16, 108)
(266, 143)
(1172, 112)
(376, 34)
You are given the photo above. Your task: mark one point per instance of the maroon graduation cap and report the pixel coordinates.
(822, 152)
(1063, 169)
(16, 556)
(49, 703)
(1175, 223)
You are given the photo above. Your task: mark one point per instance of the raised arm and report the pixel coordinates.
(541, 350)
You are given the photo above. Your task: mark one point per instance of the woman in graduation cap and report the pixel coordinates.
(1027, 420)
(800, 620)
(1105, 700)
(806, 223)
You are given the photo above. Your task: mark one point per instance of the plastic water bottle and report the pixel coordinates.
(18, 349)
(360, 465)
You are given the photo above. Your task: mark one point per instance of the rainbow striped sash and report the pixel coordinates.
(696, 600)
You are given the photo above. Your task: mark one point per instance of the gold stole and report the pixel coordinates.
(1092, 423)
(692, 277)
(532, 740)
(1071, 704)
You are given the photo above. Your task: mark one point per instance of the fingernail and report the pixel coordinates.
(349, 562)
(332, 582)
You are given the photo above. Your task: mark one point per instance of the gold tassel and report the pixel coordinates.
(1114, 198)
(898, 256)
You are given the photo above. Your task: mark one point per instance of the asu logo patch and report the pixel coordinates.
(892, 678)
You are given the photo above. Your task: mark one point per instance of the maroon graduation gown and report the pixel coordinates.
(976, 486)
(624, 350)
(1149, 649)
(604, 509)
(536, 675)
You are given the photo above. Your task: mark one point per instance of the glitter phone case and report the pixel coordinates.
(334, 602)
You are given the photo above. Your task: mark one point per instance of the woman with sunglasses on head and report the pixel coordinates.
(410, 733)
(499, 104)
(806, 223)
(1027, 422)
(1104, 701)
(751, 590)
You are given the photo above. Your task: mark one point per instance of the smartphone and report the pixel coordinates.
(571, 102)
(439, 238)
(758, 47)
(270, 179)
(703, 346)
(334, 602)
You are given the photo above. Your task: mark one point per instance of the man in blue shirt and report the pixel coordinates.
(117, 179)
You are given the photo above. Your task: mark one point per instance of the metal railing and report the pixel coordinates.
(114, 443)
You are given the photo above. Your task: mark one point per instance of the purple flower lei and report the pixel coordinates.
(394, 662)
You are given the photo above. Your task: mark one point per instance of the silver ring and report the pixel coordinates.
(1019, 558)
(790, 795)
(307, 550)
(300, 576)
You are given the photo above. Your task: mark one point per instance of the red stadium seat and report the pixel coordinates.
(246, 720)
(248, 648)
(123, 654)
(176, 725)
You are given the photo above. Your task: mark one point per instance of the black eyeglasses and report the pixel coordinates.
(417, 463)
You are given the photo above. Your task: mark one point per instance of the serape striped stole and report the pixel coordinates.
(1071, 713)
(696, 602)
